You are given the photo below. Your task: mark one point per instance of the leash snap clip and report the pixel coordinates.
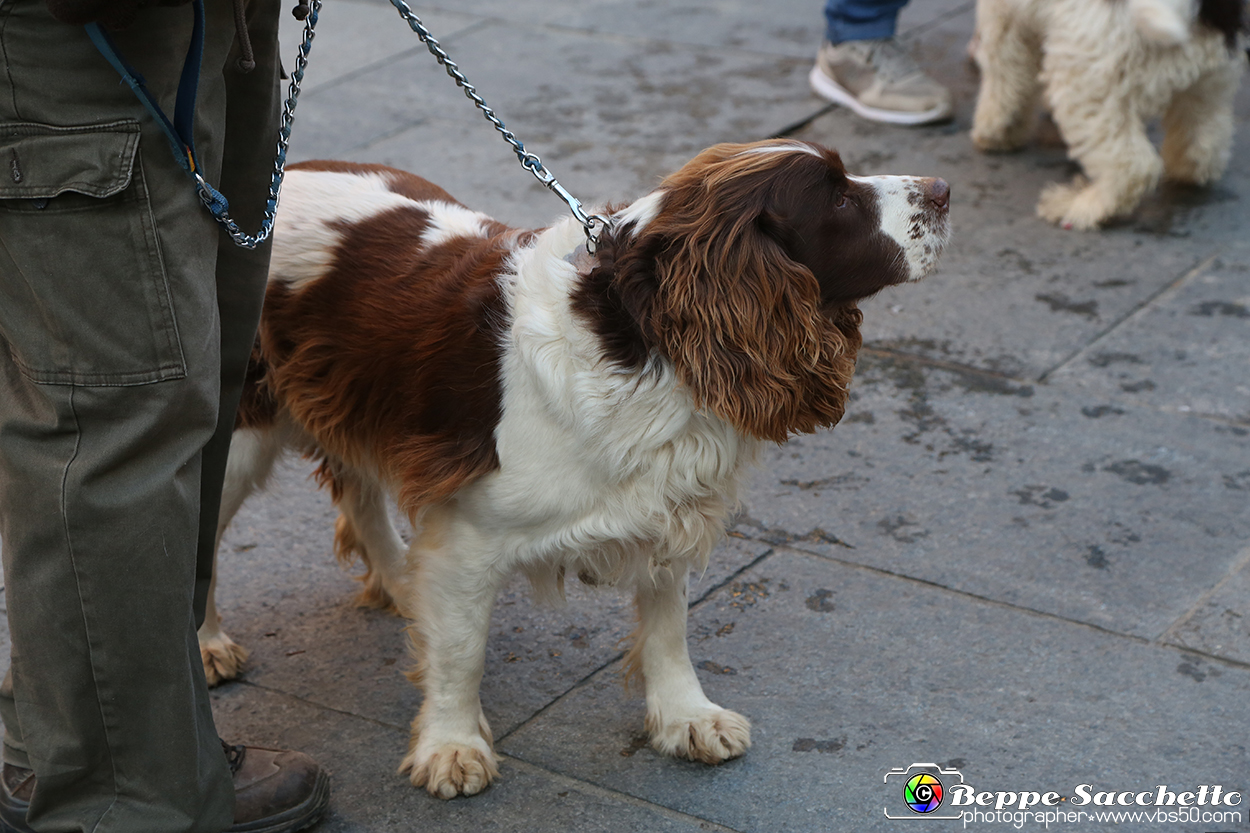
(592, 236)
(589, 221)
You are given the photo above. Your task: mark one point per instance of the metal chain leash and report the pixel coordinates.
(215, 203)
(529, 161)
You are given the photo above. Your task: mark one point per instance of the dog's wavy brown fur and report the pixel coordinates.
(739, 319)
(399, 344)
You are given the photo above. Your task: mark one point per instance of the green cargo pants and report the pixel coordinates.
(126, 319)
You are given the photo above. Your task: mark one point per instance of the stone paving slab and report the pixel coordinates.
(1220, 624)
(1043, 498)
(1018, 298)
(847, 673)
(370, 797)
(644, 94)
(784, 27)
(354, 36)
(1187, 352)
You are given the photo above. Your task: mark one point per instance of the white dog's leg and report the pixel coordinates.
(451, 750)
(252, 455)
(1119, 172)
(364, 528)
(1010, 61)
(681, 720)
(1104, 133)
(1198, 128)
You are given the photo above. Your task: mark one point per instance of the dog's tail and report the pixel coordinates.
(258, 408)
(1170, 22)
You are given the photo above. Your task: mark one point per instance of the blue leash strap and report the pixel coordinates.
(189, 82)
(181, 131)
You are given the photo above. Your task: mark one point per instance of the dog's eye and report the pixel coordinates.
(842, 201)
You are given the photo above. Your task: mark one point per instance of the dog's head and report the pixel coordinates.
(743, 270)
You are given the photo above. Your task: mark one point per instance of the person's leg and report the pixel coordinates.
(14, 747)
(249, 138)
(109, 389)
(276, 790)
(108, 684)
(861, 19)
(862, 66)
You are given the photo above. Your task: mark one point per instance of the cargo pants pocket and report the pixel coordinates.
(84, 298)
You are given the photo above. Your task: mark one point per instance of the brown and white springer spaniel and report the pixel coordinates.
(535, 407)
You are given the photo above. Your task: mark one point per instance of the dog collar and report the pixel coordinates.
(581, 259)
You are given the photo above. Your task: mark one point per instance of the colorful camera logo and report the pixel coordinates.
(923, 793)
(923, 788)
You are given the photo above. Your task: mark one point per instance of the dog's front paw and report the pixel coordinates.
(1078, 206)
(449, 764)
(223, 659)
(451, 769)
(1053, 204)
(712, 736)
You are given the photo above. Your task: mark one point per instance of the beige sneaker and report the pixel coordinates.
(879, 81)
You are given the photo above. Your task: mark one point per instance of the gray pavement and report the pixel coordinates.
(1022, 555)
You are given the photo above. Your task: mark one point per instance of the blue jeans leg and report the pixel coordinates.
(861, 19)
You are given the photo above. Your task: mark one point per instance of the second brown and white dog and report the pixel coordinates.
(535, 407)
(1106, 67)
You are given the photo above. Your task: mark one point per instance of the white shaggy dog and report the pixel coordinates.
(1107, 66)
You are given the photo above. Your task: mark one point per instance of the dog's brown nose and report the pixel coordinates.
(939, 193)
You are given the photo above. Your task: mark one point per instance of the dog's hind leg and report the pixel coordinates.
(681, 720)
(253, 452)
(1198, 127)
(364, 529)
(1009, 58)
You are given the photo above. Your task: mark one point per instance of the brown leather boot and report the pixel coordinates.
(275, 791)
(16, 786)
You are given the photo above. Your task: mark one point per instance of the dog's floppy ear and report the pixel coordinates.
(743, 326)
(703, 277)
